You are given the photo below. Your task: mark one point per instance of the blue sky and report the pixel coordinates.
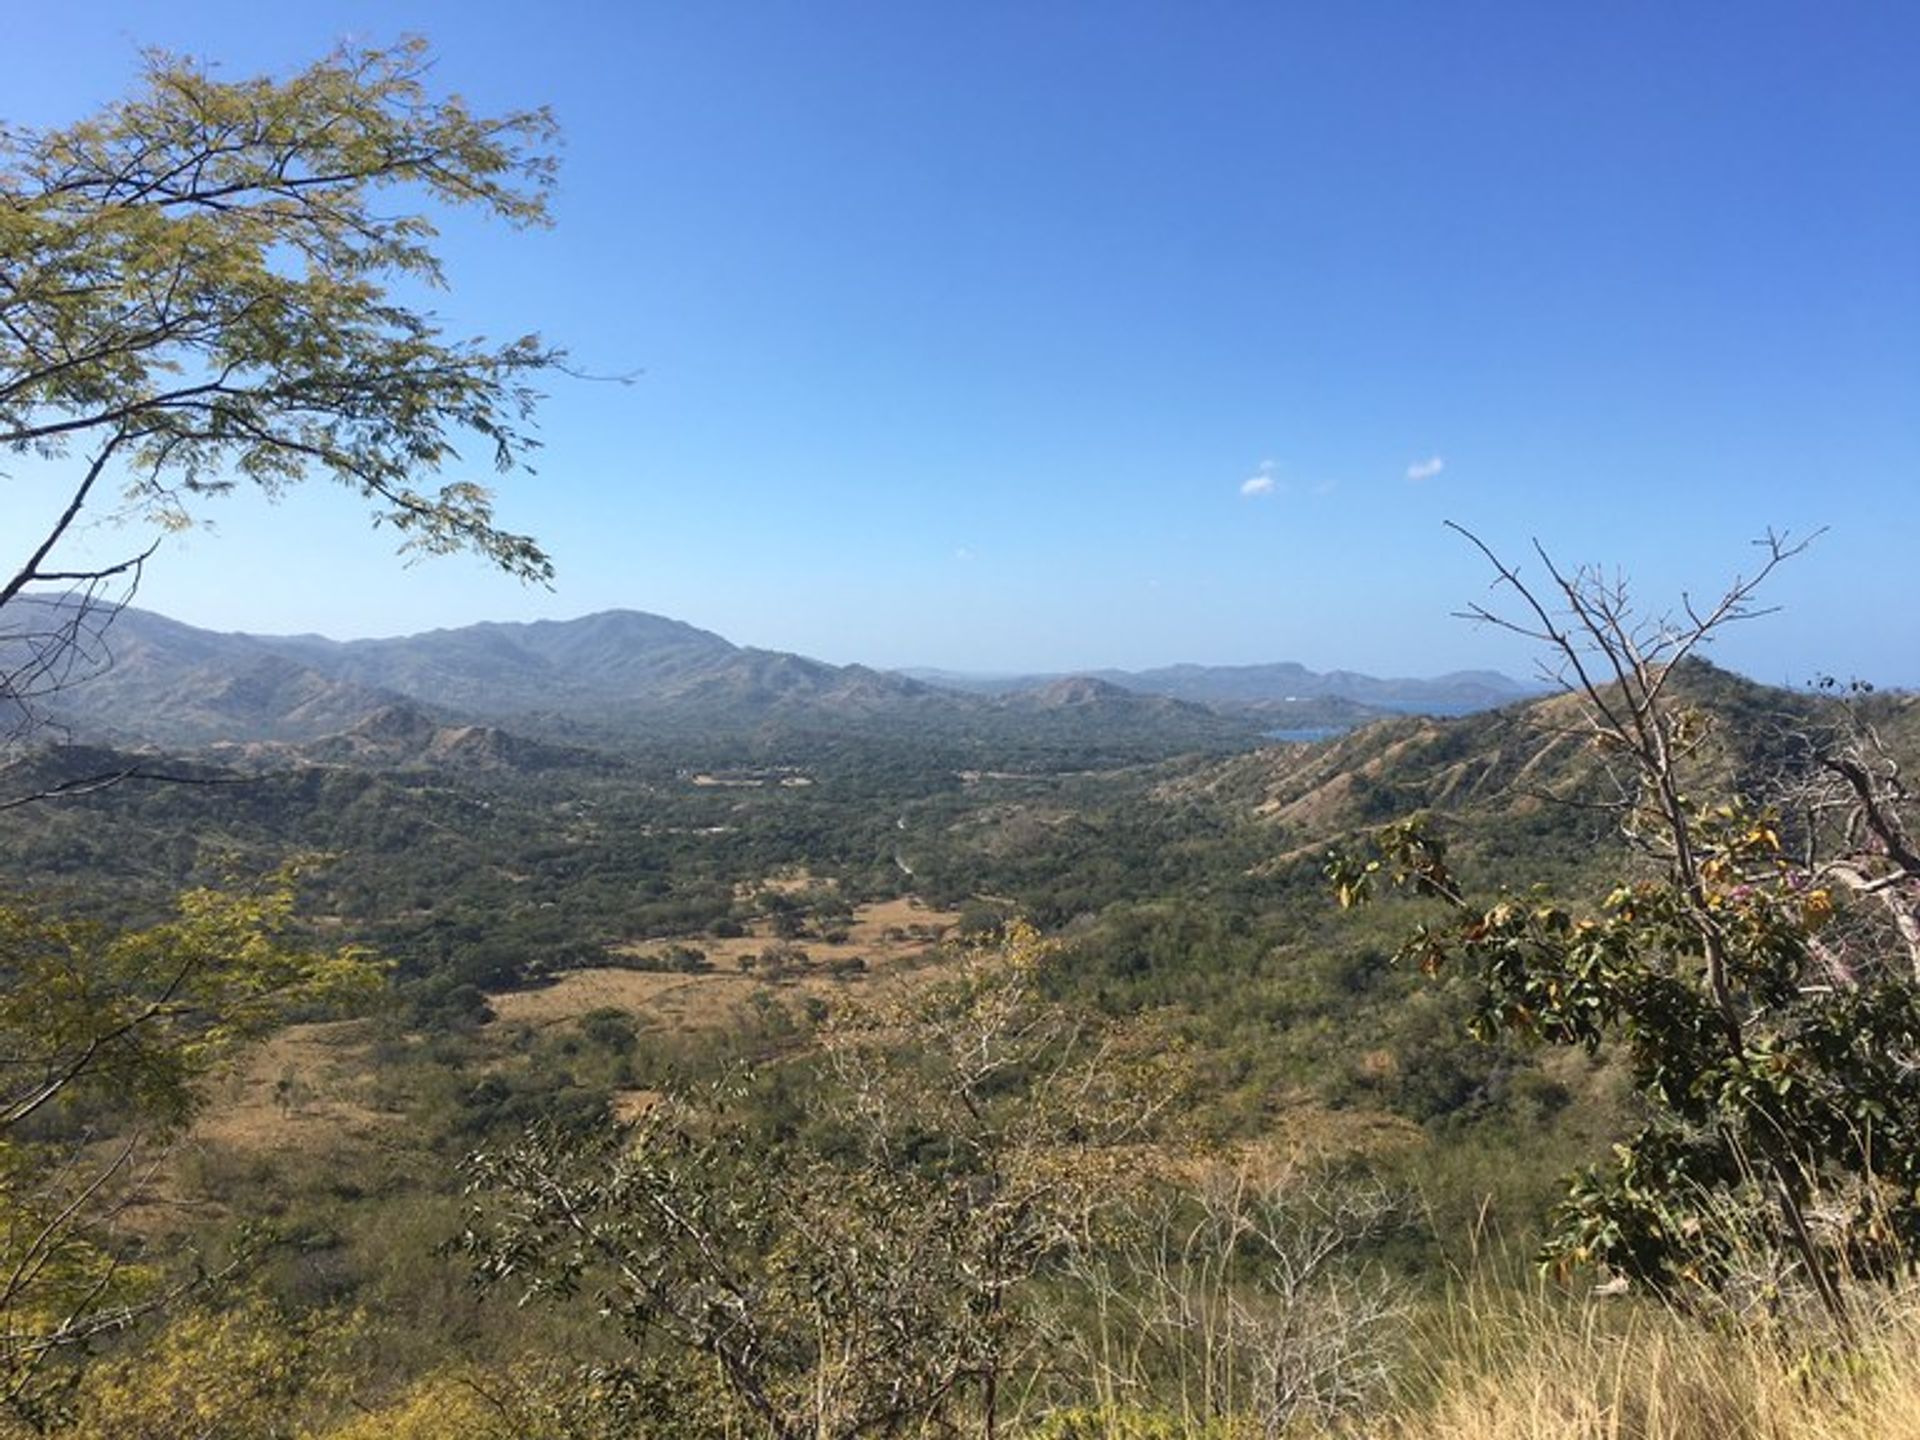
(1021, 335)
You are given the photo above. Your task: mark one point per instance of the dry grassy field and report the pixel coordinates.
(888, 939)
(310, 1088)
(303, 1087)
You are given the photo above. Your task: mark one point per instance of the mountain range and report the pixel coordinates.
(626, 673)
(1276, 685)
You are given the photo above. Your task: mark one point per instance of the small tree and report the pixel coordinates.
(869, 1277)
(1782, 1092)
(105, 1036)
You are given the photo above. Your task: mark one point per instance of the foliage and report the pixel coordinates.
(867, 1275)
(1783, 1107)
(198, 285)
(206, 284)
(242, 1373)
(105, 1034)
(137, 1015)
(209, 284)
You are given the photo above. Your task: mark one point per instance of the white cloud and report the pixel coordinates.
(1263, 481)
(963, 553)
(1425, 469)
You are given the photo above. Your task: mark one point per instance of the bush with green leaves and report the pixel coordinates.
(1779, 1073)
(866, 1267)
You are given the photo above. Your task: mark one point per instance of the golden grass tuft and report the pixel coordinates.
(1543, 1367)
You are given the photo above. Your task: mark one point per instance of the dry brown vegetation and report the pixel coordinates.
(309, 1088)
(888, 937)
(1546, 1368)
(304, 1088)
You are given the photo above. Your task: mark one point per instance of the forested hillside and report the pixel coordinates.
(572, 936)
(625, 677)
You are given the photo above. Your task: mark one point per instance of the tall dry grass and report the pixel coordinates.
(1539, 1366)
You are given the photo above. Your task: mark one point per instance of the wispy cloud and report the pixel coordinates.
(1263, 481)
(1425, 469)
(963, 553)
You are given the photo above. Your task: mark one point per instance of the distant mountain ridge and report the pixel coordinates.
(144, 678)
(498, 668)
(1281, 683)
(625, 672)
(156, 680)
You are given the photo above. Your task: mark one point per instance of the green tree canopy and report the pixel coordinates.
(212, 283)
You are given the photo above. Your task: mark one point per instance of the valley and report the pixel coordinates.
(769, 927)
(1063, 1014)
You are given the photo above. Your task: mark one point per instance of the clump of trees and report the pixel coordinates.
(870, 1272)
(970, 1220)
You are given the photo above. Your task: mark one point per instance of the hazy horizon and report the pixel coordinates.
(1528, 674)
(1043, 337)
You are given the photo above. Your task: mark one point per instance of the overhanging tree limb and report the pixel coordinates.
(199, 285)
